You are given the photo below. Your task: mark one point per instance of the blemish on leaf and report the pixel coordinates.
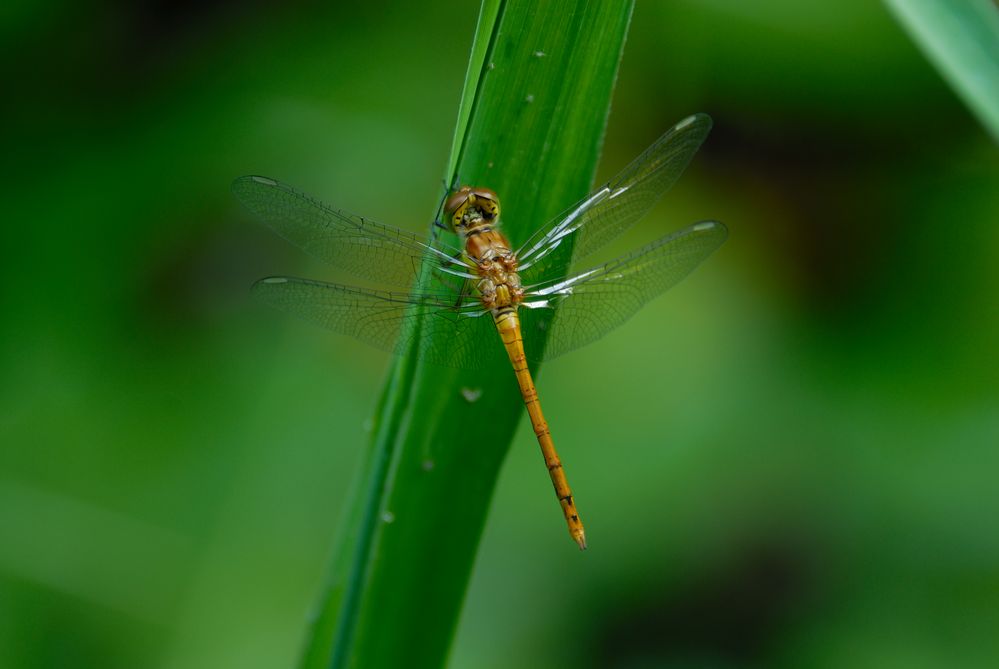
(471, 395)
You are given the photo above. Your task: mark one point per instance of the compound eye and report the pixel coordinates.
(455, 201)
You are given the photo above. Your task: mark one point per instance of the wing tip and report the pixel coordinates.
(699, 118)
(263, 284)
(711, 227)
(702, 226)
(239, 183)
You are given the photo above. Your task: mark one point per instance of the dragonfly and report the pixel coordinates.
(446, 304)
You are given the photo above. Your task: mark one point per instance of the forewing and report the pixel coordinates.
(619, 204)
(437, 328)
(367, 249)
(584, 307)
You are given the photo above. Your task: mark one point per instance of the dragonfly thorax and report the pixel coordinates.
(499, 284)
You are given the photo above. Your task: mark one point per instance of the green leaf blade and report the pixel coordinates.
(961, 39)
(531, 123)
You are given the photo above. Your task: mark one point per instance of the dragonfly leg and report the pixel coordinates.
(448, 189)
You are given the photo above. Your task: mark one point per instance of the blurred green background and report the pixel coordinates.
(795, 465)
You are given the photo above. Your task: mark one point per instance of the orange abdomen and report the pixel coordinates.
(508, 325)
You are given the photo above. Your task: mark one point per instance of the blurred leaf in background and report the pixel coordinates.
(795, 466)
(962, 41)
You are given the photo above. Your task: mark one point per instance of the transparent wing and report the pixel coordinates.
(619, 204)
(367, 249)
(585, 307)
(440, 328)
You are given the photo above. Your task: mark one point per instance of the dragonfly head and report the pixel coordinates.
(469, 206)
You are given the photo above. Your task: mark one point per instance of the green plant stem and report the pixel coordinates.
(531, 124)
